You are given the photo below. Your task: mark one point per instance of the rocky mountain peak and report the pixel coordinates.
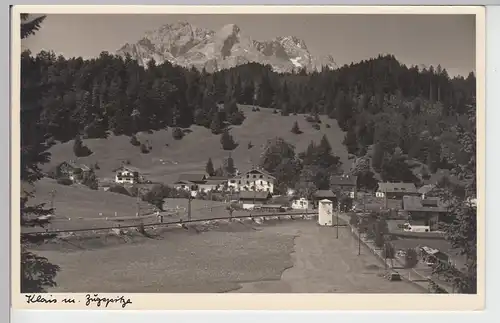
(184, 44)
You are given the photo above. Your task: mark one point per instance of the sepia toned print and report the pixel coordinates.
(210, 153)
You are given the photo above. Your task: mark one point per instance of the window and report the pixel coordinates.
(254, 176)
(239, 182)
(248, 176)
(248, 183)
(261, 176)
(261, 182)
(232, 181)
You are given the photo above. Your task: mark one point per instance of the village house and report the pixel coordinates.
(127, 175)
(300, 204)
(190, 182)
(213, 184)
(324, 195)
(251, 199)
(428, 212)
(346, 184)
(396, 190)
(71, 170)
(255, 179)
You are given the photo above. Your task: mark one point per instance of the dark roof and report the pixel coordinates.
(192, 177)
(128, 168)
(257, 170)
(75, 165)
(249, 195)
(324, 193)
(397, 188)
(183, 182)
(415, 203)
(212, 181)
(221, 178)
(344, 180)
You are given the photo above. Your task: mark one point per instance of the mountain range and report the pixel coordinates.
(187, 45)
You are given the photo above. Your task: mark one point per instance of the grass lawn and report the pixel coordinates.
(164, 163)
(77, 206)
(293, 256)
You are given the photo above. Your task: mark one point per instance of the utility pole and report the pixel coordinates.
(189, 206)
(338, 211)
(359, 237)
(137, 206)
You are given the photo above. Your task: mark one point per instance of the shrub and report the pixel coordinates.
(316, 126)
(64, 181)
(328, 125)
(275, 111)
(295, 129)
(79, 149)
(411, 258)
(389, 252)
(379, 240)
(257, 109)
(96, 166)
(177, 133)
(310, 119)
(227, 141)
(236, 118)
(134, 141)
(353, 219)
(144, 149)
(90, 180)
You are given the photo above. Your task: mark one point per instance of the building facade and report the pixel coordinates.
(251, 199)
(126, 175)
(347, 184)
(428, 212)
(396, 190)
(253, 180)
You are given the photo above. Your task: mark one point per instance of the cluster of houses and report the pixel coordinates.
(256, 187)
(70, 170)
(253, 180)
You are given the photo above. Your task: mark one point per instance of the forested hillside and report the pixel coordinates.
(384, 106)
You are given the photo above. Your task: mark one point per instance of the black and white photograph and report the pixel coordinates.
(248, 153)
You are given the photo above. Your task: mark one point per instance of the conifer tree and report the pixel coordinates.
(209, 168)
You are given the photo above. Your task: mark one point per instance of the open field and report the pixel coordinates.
(164, 163)
(77, 206)
(294, 256)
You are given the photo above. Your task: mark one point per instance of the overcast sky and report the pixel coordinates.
(448, 40)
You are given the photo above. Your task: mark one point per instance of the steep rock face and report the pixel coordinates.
(187, 45)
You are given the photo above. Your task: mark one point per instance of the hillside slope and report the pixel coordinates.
(164, 163)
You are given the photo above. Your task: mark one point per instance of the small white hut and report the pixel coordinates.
(325, 217)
